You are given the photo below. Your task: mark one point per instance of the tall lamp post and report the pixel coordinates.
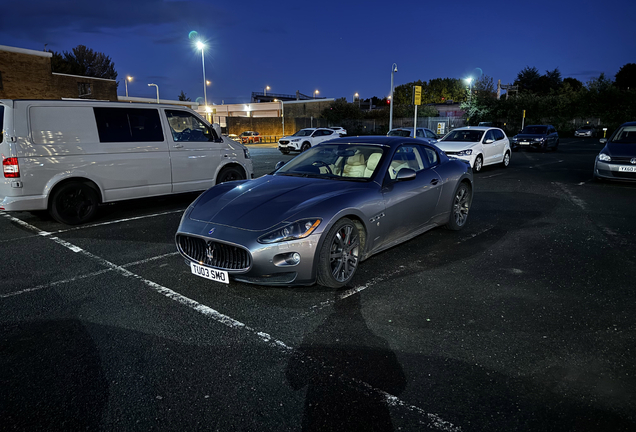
(155, 85)
(265, 90)
(469, 81)
(393, 70)
(201, 46)
(315, 93)
(128, 78)
(282, 109)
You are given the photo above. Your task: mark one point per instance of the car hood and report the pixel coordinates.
(620, 150)
(454, 146)
(529, 136)
(262, 203)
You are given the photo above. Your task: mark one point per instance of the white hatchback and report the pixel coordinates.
(478, 145)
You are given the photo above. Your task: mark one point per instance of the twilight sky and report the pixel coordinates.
(336, 47)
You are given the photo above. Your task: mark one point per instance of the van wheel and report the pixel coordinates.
(73, 203)
(230, 174)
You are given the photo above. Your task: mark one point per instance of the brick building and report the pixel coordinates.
(26, 74)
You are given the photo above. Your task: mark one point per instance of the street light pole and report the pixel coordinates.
(201, 46)
(315, 93)
(265, 90)
(470, 88)
(128, 78)
(155, 85)
(393, 70)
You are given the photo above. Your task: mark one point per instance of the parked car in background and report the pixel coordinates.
(585, 131)
(477, 145)
(317, 217)
(250, 137)
(617, 160)
(540, 137)
(341, 131)
(422, 133)
(306, 138)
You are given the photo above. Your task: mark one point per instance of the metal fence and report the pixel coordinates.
(439, 125)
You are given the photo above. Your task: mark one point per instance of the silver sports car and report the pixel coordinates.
(317, 217)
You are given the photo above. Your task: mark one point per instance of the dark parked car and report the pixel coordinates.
(540, 137)
(318, 216)
(617, 160)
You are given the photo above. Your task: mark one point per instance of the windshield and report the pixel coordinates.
(464, 135)
(586, 127)
(335, 161)
(535, 130)
(400, 132)
(625, 135)
(304, 132)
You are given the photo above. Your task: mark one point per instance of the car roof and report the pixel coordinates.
(632, 123)
(391, 141)
(479, 128)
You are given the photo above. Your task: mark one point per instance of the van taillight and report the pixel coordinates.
(10, 167)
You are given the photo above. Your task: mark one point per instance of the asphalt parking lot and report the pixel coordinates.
(522, 321)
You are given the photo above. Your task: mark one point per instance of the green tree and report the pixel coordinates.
(574, 84)
(85, 62)
(528, 79)
(340, 110)
(625, 78)
(183, 97)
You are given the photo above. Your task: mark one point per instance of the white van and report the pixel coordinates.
(69, 156)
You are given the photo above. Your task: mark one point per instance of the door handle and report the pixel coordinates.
(178, 146)
(434, 181)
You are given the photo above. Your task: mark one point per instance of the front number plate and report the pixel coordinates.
(210, 273)
(627, 169)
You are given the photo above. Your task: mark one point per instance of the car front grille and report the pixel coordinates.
(284, 141)
(622, 160)
(214, 254)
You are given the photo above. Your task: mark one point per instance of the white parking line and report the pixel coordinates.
(432, 420)
(573, 198)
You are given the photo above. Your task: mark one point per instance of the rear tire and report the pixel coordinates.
(73, 203)
(230, 174)
(506, 159)
(339, 253)
(460, 207)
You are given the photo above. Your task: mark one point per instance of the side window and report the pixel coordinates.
(83, 89)
(128, 124)
(430, 134)
(499, 135)
(490, 135)
(406, 156)
(187, 127)
(419, 133)
(429, 157)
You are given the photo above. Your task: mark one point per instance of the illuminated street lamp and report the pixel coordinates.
(201, 46)
(155, 85)
(265, 90)
(315, 93)
(393, 70)
(128, 78)
(282, 109)
(469, 81)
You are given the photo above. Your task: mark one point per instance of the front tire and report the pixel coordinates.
(306, 146)
(338, 259)
(73, 203)
(479, 163)
(230, 174)
(460, 207)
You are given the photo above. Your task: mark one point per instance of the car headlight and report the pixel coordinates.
(246, 152)
(514, 139)
(295, 140)
(465, 152)
(604, 157)
(539, 139)
(294, 231)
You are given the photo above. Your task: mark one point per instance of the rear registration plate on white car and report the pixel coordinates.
(210, 273)
(524, 143)
(627, 168)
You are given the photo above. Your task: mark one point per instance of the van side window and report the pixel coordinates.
(186, 127)
(128, 124)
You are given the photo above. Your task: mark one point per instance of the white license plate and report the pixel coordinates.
(627, 169)
(524, 143)
(210, 273)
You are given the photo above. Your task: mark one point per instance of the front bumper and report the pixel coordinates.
(288, 146)
(528, 144)
(266, 264)
(612, 171)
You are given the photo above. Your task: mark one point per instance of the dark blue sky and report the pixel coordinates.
(336, 47)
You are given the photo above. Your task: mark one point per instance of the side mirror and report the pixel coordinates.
(603, 140)
(279, 165)
(489, 141)
(406, 174)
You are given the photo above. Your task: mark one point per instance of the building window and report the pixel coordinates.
(84, 89)
(0, 80)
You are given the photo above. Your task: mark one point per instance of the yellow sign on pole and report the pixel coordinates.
(417, 95)
(524, 113)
